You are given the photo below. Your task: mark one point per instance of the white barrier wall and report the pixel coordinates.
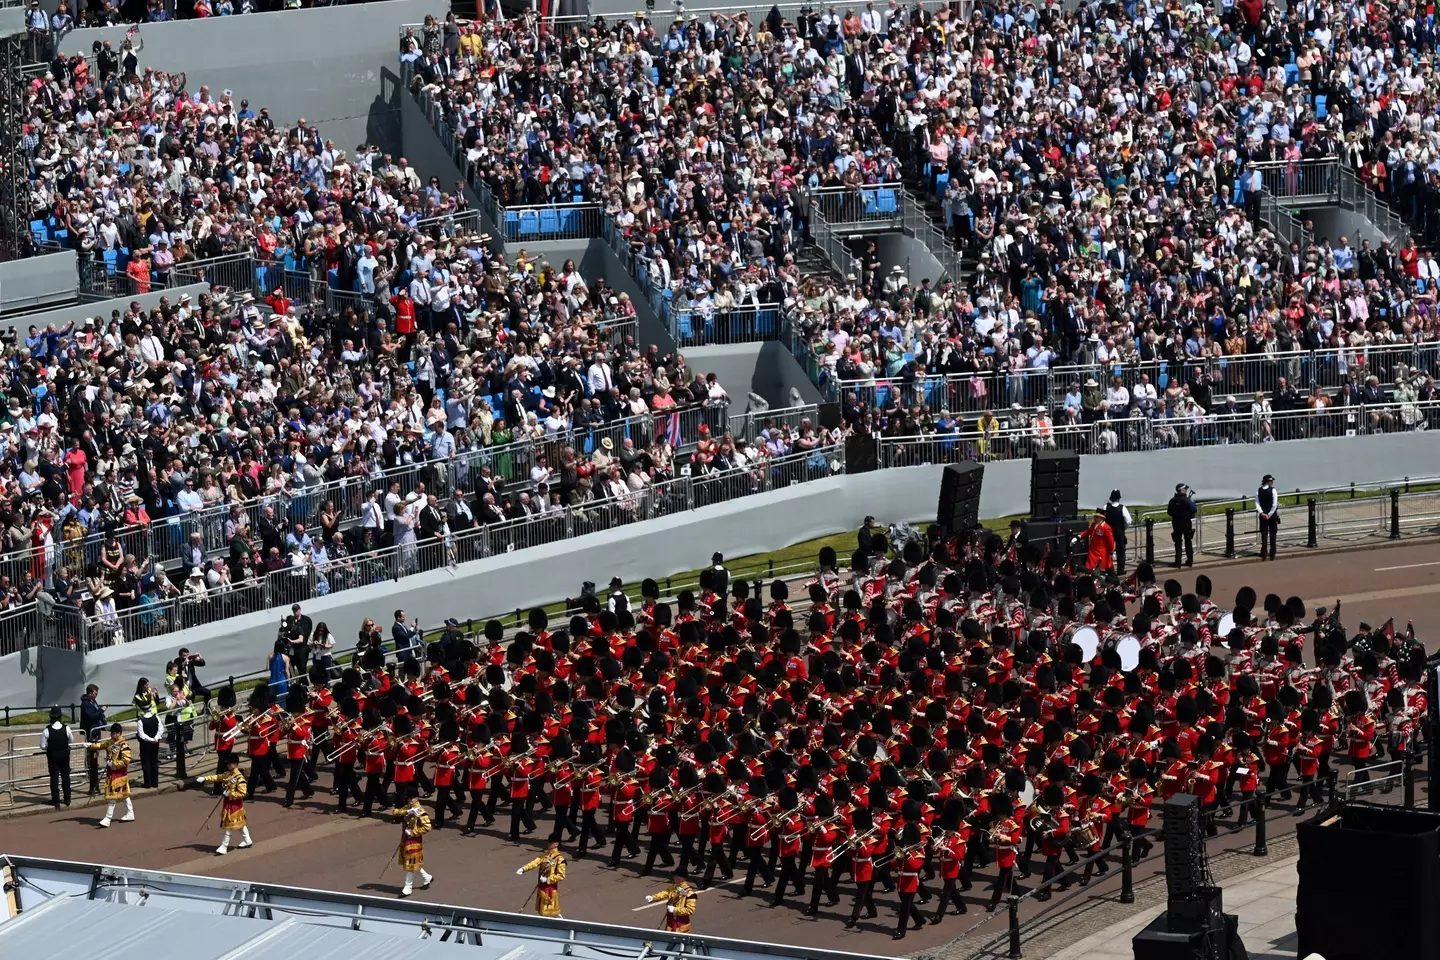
(753, 525)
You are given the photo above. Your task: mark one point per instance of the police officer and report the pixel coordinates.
(1267, 507)
(1182, 523)
(55, 741)
(180, 724)
(1117, 515)
(93, 724)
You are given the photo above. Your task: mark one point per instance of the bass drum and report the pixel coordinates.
(1088, 640)
(1129, 650)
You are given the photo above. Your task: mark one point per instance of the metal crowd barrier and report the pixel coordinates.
(745, 324)
(281, 588)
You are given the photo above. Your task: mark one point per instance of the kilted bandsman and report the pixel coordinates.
(415, 823)
(551, 865)
(680, 900)
(117, 774)
(232, 804)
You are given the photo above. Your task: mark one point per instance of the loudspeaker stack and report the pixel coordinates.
(1054, 485)
(960, 496)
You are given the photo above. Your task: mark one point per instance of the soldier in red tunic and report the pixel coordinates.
(659, 802)
(756, 818)
(867, 843)
(445, 752)
(720, 812)
(481, 761)
(687, 820)
(375, 745)
(624, 807)
(951, 841)
(1005, 841)
(226, 727)
(909, 859)
(789, 829)
(826, 830)
(588, 792)
(258, 726)
(297, 729)
(344, 743)
(523, 767)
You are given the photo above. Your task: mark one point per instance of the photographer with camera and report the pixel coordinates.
(185, 663)
(1182, 512)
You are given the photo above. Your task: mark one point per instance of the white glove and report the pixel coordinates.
(520, 872)
(199, 779)
(649, 899)
(670, 908)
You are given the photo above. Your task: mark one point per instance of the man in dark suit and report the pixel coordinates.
(299, 627)
(405, 635)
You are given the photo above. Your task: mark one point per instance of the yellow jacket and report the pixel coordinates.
(551, 867)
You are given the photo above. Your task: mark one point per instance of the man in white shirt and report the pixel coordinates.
(599, 376)
(1117, 397)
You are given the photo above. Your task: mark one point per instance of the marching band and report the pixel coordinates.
(961, 705)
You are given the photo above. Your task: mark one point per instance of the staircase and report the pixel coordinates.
(925, 221)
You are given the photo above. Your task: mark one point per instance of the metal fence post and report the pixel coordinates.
(1014, 907)
(1395, 514)
(1262, 849)
(1407, 779)
(1313, 507)
(1229, 532)
(1150, 540)
(1127, 867)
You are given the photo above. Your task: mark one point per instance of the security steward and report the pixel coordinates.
(1182, 523)
(55, 741)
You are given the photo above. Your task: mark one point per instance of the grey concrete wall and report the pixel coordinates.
(38, 281)
(324, 64)
(764, 368)
(753, 525)
(898, 249)
(102, 308)
(1335, 222)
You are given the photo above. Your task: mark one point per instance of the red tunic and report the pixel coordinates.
(445, 763)
(259, 742)
(822, 850)
(862, 861)
(298, 741)
(907, 876)
(408, 754)
(376, 751)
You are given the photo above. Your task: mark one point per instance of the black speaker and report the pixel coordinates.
(1161, 941)
(959, 507)
(1370, 868)
(861, 455)
(1056, 533)
(1054, 485)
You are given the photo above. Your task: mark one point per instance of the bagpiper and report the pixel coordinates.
(232, 788)
(680, 900)
(551, 865)
(415, 823)
(117, 774)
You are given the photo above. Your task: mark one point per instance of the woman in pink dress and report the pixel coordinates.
(75, 464)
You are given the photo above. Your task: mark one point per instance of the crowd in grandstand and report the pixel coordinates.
(1096, 164)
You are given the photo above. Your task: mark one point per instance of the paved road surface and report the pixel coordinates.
(311, 847)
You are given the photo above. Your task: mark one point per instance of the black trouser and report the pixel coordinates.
(520, 808)
(59, 764)
(908, 912)
(1184, 537)
(1248, 804)
(259, 772)
(1003, 883)
(446, 800)
(823, 881)
(150, 763)
(589, 828)
(1268, 530)
(1052, 867)
(719, 859)
(478, 808)
(222, 764)
(1309, 789)
(298, 780)
(564, 822)
(277, 762)
(374, 790)
(659, 847)
(1278, 778)
(179, 737)
(92, 768)
(624, 839)
(689, 854)
(789, 874)
(949, 894)
(347, 784)
(757, 857)
(864, 897)
(1362, 775)
(312, 757)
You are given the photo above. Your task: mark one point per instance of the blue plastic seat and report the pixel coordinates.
(571, 220)
(549, 221)
(886, 200)
(766, 322)
(529, 223)
(870, 202)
